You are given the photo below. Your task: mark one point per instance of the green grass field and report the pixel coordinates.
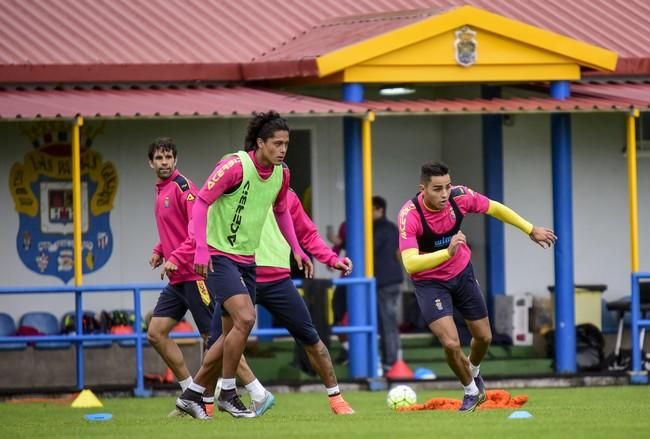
(602, 412)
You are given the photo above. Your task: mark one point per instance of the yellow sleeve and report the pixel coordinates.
(415, 263)
(507, 215)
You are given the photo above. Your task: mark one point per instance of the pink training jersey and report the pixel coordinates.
(227, 176)
(308, 238)
(173, 211)
(410, 228)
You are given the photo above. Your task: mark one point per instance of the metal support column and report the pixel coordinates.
(492, 132)
(565, 333)
(76, 200)
(357, 302)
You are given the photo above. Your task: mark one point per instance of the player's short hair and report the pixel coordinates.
(379, 202)
(433, 169)
(162, 144)
(263, 126)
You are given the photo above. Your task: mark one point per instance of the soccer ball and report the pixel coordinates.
(400, 396)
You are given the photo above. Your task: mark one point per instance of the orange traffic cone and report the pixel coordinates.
(400, 370)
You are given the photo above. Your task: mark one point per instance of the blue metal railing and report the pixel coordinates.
(637, 377)
(139, 336)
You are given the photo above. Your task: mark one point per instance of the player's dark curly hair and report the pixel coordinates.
(263, 126)
(163, 144)
(433, 169)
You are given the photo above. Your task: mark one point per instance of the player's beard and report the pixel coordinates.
(165, 173)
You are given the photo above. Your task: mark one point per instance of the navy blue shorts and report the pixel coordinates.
(229, 278)
(175, 300)
(288, 308)
(438, 299)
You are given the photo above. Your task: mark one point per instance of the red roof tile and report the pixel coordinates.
(243, 101)
(208, 40)
(162, 102)
(298, 57)
(637, 93)
(512, 105)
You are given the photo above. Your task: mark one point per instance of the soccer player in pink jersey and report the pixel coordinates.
(435, 253)
(175, 195)
(276, 292)
(228, 216)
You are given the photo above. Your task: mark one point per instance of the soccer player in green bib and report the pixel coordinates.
(228, 218)
(276, 292)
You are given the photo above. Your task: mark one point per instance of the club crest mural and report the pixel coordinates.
(41, 187)
(466, 46)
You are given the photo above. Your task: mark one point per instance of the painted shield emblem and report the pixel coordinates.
(42, 191)
(466, 46)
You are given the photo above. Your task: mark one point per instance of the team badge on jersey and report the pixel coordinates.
(438, 304)
(42, 191)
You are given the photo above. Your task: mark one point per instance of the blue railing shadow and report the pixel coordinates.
(140, 337)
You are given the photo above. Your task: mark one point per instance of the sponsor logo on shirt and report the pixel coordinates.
(236, 219)
(442, 242)
(402, 219)
(220, 173)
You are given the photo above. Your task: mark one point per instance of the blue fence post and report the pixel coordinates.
(139, 368)
(79, 344)
(637, 375)
(373, 360)
(634, 326)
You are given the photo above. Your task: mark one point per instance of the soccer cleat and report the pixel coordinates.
(340, 406)
(230, 402)
(261, 407)
(470, 402)
(190, 402)
(481, 388)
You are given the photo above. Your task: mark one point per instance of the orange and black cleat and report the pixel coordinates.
(340, 406)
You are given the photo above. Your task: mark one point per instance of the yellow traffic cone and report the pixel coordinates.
(86, 399)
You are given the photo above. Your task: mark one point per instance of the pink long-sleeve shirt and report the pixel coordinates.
(308, 238)
(173, 211)
(410, 227)
(226, 177)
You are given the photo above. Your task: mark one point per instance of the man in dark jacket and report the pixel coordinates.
(388, 272)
